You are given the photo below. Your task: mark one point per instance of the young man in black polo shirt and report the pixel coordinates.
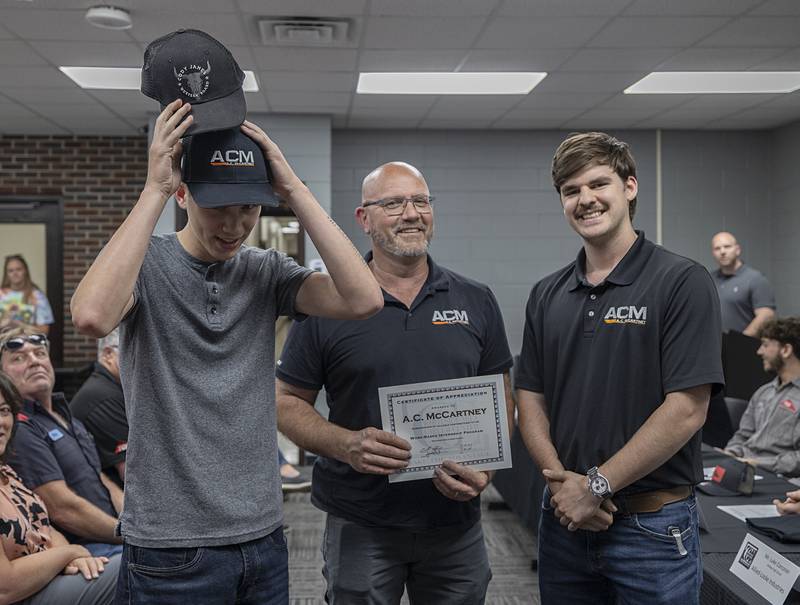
(382, 537)
(620, 354)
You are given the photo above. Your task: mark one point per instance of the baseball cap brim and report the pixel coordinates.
(715, 489)
(219, 114)
(219, 195)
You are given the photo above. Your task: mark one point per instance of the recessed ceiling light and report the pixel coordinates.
(716, 82)
(109, 17)
(126, 78)
(449, 83)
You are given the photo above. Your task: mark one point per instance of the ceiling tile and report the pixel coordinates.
(305, 8)
(225, 27)
(409, 60)
(777, 7)
(552, 114)
(125, 100)
(305, 59)
(597, 123)
(694, 59)
(33, 77)
(569, 101)
(757, 32)
(391, 104)
(180, 6)
(432, 32)
(58, 112)
(13, 52)
(606, 59)
(625, 102)
(789, 60)
(382, 123)
(69, 95)
(426, 8)
(444, 124)
(32, 126)
(470, 108)
(507, 32)
(655, 32)
(674, 122)
(315, 81)
(690, 7)
(331, 102)
(100, 54)
(35, 24)
(561, 8)
(99, 126)
(542, 59)
(14, 110)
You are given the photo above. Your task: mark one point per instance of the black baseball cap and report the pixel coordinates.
(193, 66)
(731, 477)
(226, 168)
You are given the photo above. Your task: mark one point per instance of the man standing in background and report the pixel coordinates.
(746, 298)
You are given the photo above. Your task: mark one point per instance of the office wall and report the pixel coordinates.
(498, 218)
(718, 181)
(784, 232)
(98, 179)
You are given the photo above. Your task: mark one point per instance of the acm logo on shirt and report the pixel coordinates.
(626, 314)
(449, 317)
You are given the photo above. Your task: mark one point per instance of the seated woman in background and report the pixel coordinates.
(21, 301)
(37, 564)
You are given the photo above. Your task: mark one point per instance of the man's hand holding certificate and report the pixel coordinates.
(462, 420)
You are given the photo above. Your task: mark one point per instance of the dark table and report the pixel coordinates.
(522, 485)
(725, 533)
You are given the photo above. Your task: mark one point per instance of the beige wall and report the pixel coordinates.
(27, 239)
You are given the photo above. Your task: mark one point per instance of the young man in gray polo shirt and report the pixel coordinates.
(768, 433)
(202, 517)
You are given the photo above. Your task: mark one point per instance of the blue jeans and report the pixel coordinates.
(100, 549)
(637, 560)
(255, 572)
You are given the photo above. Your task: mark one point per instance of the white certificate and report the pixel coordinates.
(463, 420)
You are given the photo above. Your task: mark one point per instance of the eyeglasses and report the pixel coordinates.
(395, 206)
(17, 342)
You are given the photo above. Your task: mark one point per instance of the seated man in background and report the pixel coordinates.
(100, 405)
(53, 453)
(746, 297)
(768, 433)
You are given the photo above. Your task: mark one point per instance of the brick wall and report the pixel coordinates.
(98, 180)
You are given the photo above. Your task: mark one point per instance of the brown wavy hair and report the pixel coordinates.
(786, 330)
(11, 396)
(29, 288)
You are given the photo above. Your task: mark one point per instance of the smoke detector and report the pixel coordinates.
(109, 17)
(305, 31)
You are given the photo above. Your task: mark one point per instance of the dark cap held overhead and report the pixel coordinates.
(191, 65)
(226, 168)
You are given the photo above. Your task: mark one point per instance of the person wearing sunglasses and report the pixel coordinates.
(38, 565)
(383, 538)
(54, 454)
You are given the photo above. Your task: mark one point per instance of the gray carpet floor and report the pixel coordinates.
(510, 544)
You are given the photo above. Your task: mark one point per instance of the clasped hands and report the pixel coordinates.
(378, 452)
(573, 503)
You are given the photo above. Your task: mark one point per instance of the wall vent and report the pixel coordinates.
(305, 31)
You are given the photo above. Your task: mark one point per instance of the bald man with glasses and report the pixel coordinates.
(383, 538)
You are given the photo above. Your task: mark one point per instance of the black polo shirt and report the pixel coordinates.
(606, 356)
(43, 451)
(100, 405)
(454, 329)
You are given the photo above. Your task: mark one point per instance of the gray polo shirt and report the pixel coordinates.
(197, 361)
(769, 430)
(740, 295)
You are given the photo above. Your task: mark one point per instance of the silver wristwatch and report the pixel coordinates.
(598, 484)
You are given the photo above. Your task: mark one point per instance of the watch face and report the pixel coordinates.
(599, 485)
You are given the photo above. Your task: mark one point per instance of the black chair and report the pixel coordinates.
(69, 380)
(736, 408)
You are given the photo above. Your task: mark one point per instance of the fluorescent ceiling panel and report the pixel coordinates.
(126, 78)
(449, 83)
(716, 82)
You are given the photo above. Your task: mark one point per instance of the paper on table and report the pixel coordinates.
(708, 471)
(745, 511)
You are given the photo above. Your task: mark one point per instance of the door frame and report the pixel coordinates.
(50, 211)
